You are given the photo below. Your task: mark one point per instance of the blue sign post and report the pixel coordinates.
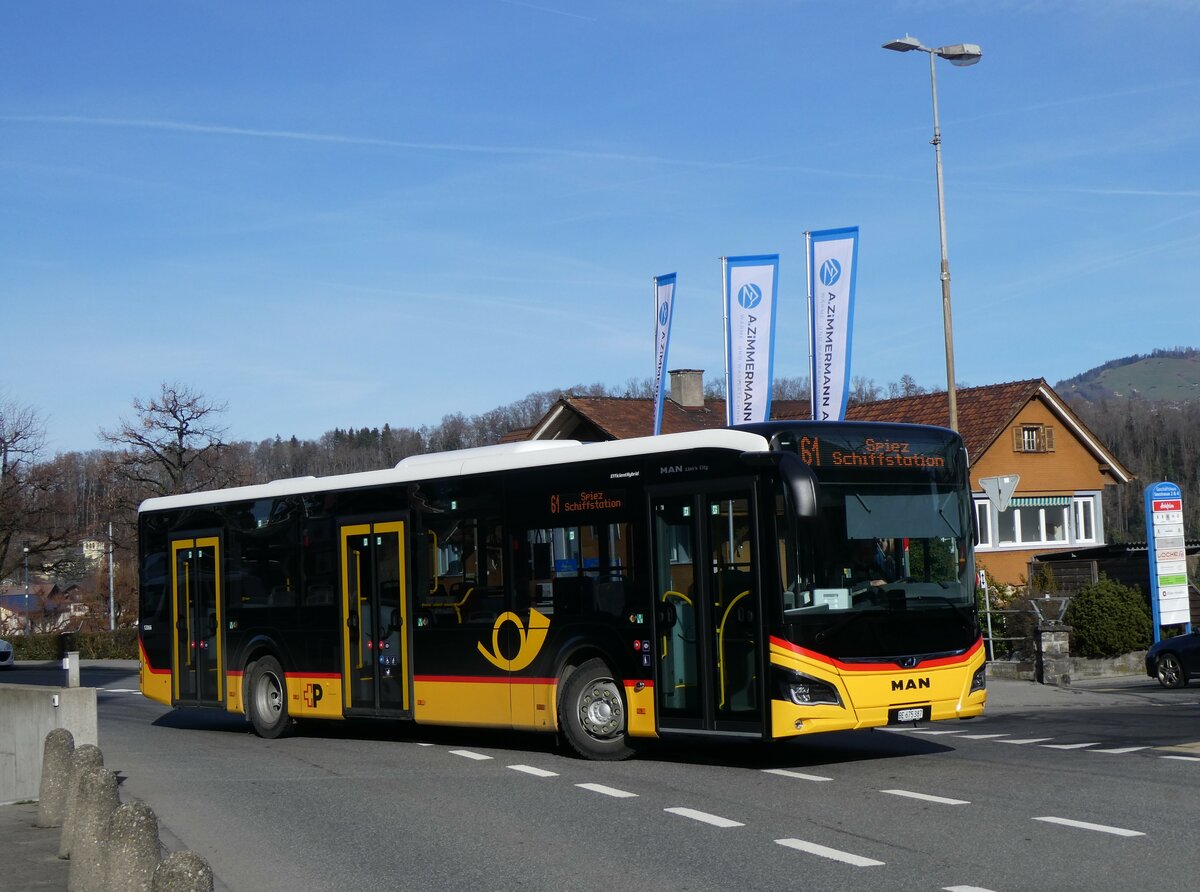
(1168, 557)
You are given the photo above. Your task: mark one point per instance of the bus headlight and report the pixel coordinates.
(979, 679)
(804, 690)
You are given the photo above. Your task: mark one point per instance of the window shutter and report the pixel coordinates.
(1048, 441)
(1018, 439)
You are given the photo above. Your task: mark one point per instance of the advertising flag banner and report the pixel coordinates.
(833, 268)
(750, 286)
(1168, 553)
(664, 309)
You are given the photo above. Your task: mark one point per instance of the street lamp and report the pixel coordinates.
(27, 627)
(960, 54)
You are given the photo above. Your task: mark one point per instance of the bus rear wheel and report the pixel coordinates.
(591, 713)
(266, 699)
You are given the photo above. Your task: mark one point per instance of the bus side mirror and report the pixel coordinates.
(797, 478)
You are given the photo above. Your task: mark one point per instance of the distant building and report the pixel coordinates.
(1019, 428)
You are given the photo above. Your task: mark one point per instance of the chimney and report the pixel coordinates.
(687, 388)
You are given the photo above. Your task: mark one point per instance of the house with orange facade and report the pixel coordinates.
(1020, 429)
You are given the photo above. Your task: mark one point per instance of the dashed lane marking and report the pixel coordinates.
(608, 791)
(1087, 825)
(1026, 741)
(1069, 746)
(536, 772)
(1120, 751)
(812, 848)
(468, 754)
(926, 797)
(785, 772)
(704, 817)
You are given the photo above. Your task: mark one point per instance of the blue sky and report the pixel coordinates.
(341, 215)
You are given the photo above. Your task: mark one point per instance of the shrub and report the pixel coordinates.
(1108, 619)
(118, 645)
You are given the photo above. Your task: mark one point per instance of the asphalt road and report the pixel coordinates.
(1091, 788)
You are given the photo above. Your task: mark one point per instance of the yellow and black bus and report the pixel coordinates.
(767, 581)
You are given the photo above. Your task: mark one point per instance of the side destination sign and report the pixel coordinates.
(1168, 556)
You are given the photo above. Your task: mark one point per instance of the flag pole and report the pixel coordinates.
(808, 287)
(654, 395)
(725, 316)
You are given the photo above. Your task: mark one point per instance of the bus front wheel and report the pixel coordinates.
(591, 713)
(266, 699)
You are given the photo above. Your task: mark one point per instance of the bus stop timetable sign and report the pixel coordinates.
(1168, 556)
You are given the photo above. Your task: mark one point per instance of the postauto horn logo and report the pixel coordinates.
(663, 312)
(749, 296)
(831, 271)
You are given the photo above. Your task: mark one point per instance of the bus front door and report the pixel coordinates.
(196, 609)
(708, 638)
(375, 638)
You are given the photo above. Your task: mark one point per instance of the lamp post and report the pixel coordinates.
(27, 626)
(960, 54)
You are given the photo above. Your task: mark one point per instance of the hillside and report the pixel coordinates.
(1164, 376)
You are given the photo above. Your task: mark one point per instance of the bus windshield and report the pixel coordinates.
(885, 569)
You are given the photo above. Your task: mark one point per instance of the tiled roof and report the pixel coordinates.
(622, 418)
(983, 412)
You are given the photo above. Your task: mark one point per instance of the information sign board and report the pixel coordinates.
(1168, 556)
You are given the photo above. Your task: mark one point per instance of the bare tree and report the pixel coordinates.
(35, 505)
(174, 445)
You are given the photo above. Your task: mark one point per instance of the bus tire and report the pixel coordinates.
(266, 699)
(592, 713)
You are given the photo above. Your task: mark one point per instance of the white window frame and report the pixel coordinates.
(988, 520)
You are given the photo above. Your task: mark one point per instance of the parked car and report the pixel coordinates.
(1174, 661)
(6, 655)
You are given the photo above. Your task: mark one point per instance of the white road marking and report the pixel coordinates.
(925, 797)
(1085, 825)
(607, 791)
(982, 736)
(965, 889)
(825, 852)
(536, 772)
(424, 744)
(467, 754)
(119, 691)
(1183, 758)
(704, 817)
(1069, 746)
(1120, 751)
(1026, 741)
(784, 772)
(931, 733)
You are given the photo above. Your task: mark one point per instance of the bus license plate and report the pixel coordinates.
(910, 714)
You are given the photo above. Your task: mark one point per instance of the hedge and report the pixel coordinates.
(118, 645)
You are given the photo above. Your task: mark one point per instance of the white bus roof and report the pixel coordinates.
(482, 460)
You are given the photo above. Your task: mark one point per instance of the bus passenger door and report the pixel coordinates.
(708, 624)
(196, 610)
(375, 668)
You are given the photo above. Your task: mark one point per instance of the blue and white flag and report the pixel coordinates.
(664, 309)
(750, 287)
(833, 262)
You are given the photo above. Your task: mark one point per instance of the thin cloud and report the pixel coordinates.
(335, 138)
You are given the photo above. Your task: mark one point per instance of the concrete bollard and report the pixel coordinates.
(56, 776)
(85, 756)
(183, 872)
(133, 851)
(98, 800)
